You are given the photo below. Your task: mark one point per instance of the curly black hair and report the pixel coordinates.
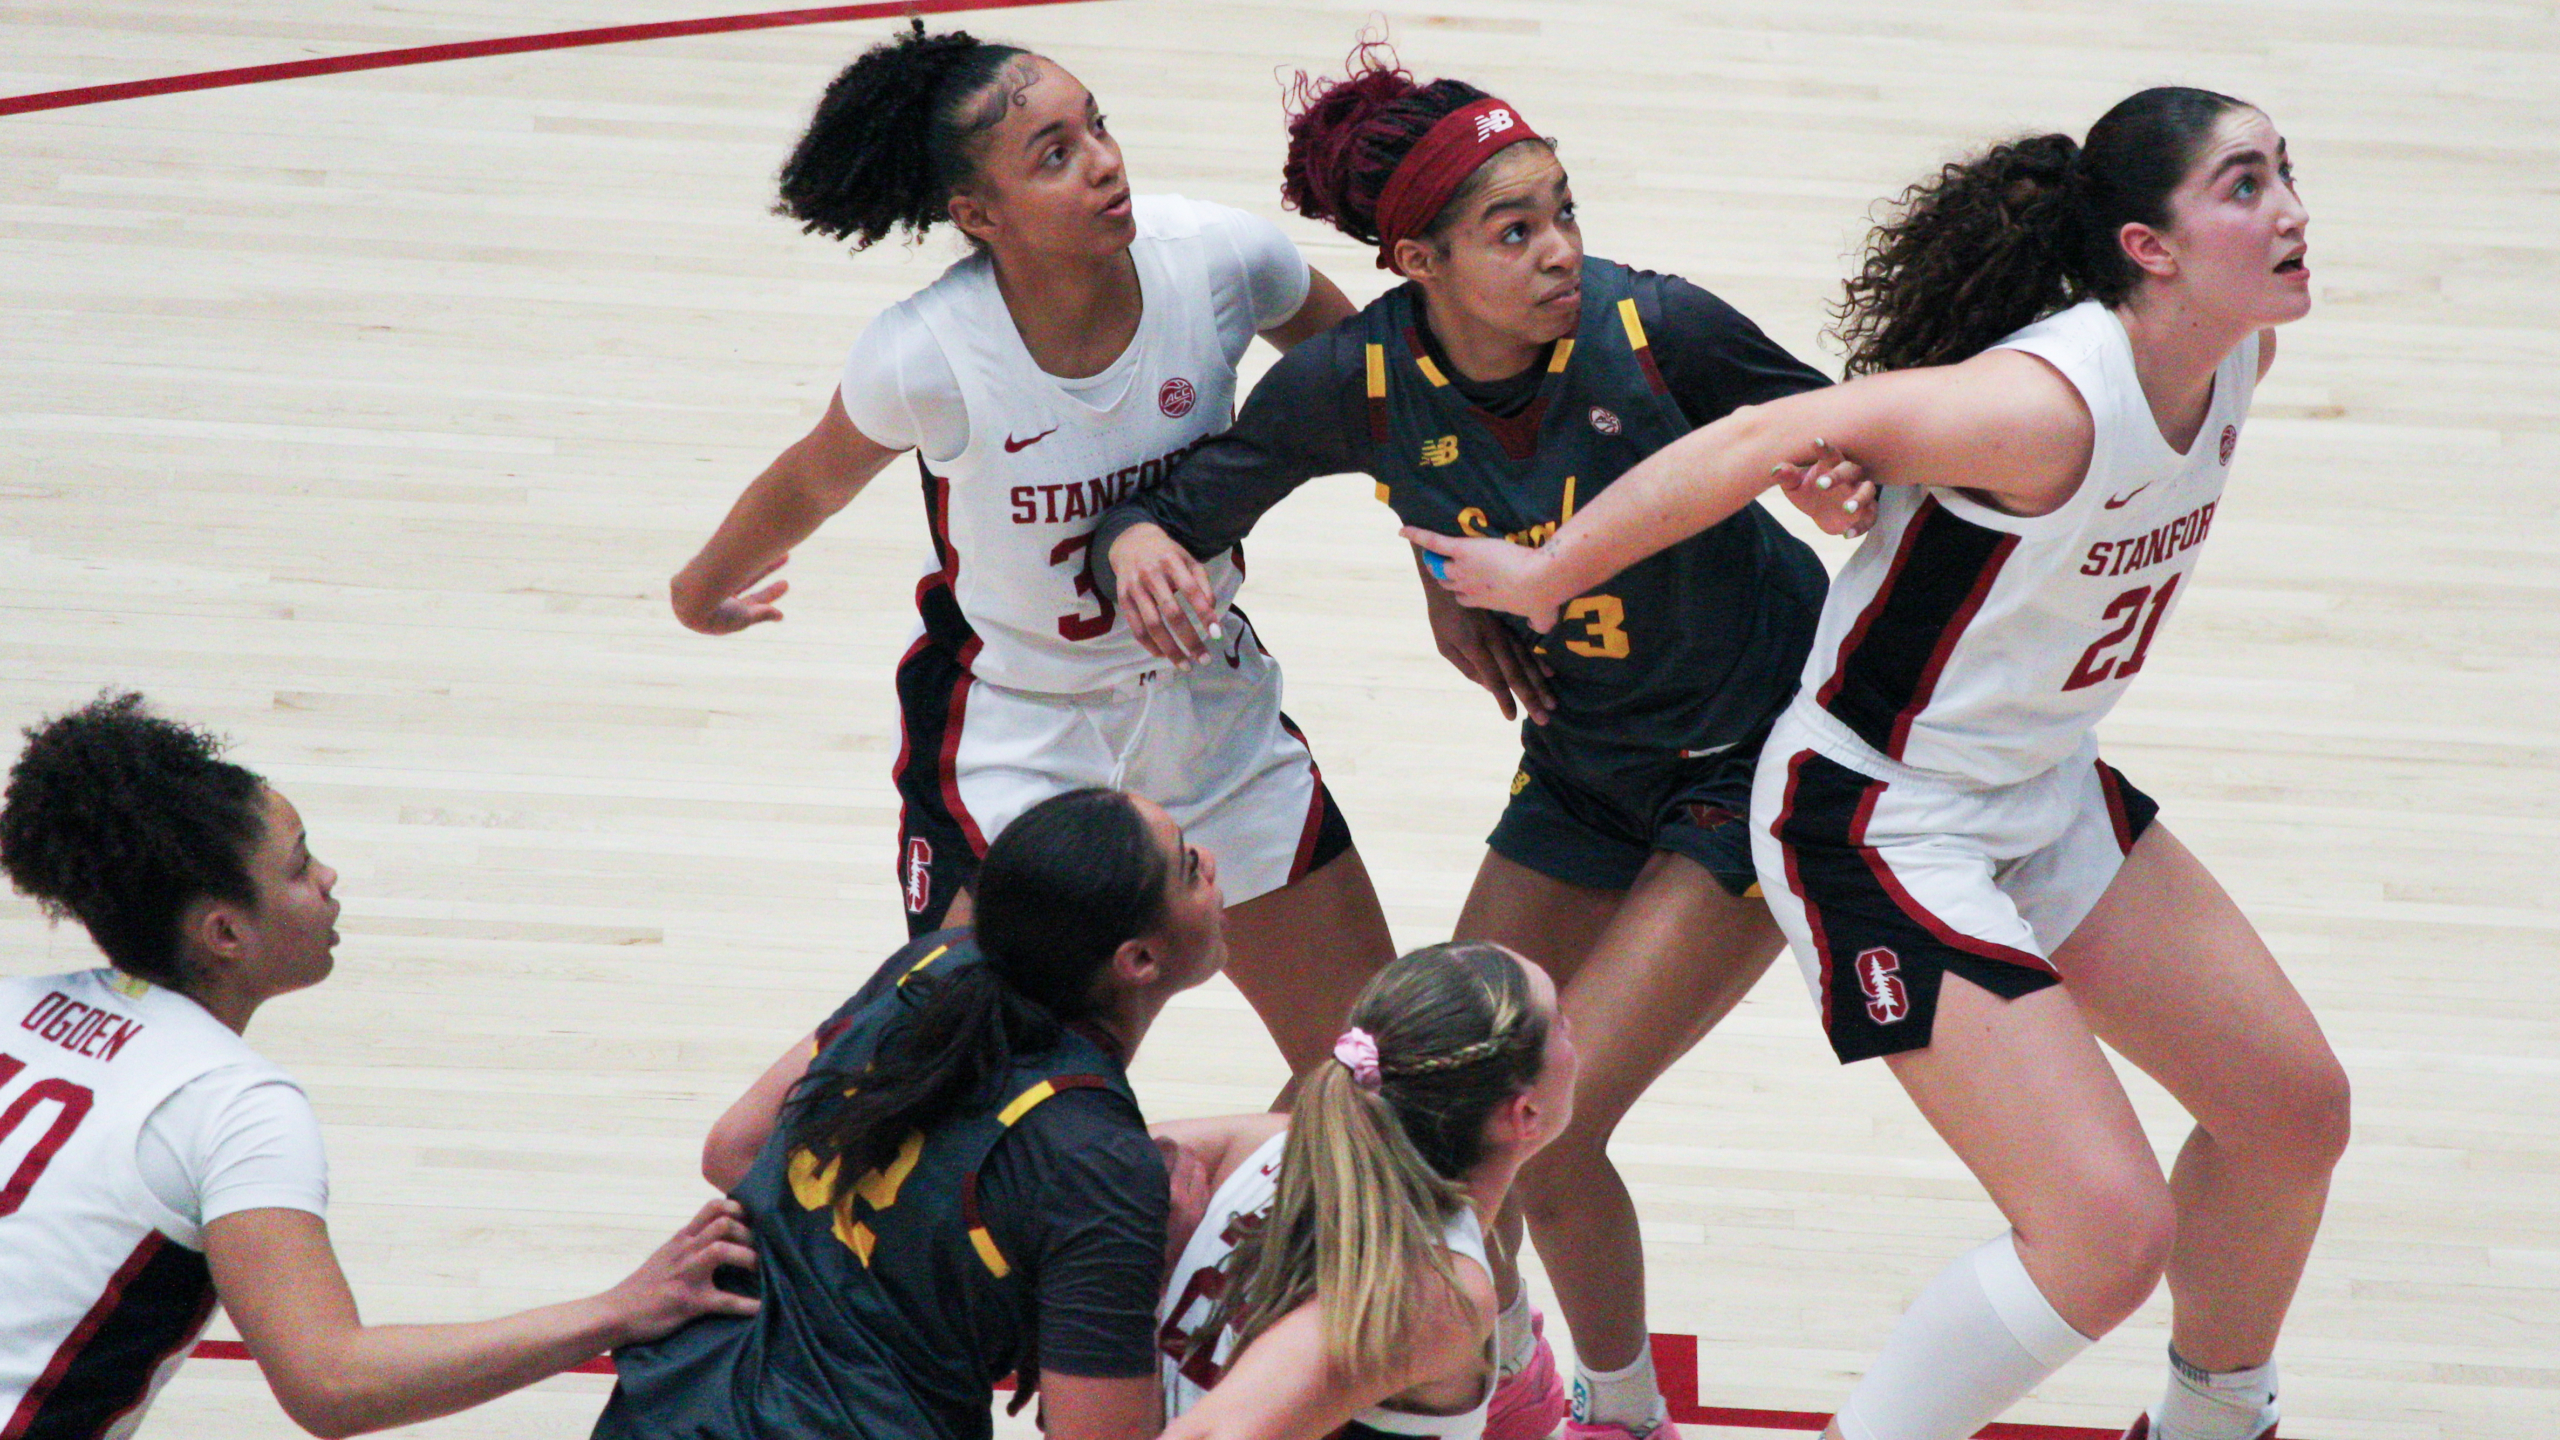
(1995, 243)
(893, 137)
(121, 819)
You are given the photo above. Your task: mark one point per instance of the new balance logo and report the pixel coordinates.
(1443, 451)
(1879, 977)
(1011, 445)
(1493, 122)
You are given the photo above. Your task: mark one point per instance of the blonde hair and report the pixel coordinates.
(1369, 1178)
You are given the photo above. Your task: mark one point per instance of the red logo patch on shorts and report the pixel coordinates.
(1177, 397)
(1707, 815)
(919, 874)
(2230, 442)
(1879, 976)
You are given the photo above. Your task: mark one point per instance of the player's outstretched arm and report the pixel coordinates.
(2002, 423)
(716, 591)
(335, 1375)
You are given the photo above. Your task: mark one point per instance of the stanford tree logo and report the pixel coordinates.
(1879, 975)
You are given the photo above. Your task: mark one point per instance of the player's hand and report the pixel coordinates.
(1490, 575)
(1832, 488)
(1164, 595)
(675, 1284)
(1486, 651)
(727, 614)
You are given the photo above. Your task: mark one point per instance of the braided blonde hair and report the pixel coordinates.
(1370, 1177)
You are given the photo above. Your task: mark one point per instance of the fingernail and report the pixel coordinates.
(1822, 483)
(1821, 444)
(1216, 632)
(1848, 504)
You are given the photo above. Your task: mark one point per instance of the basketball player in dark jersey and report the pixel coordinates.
(985, 1202)
(1508, 381)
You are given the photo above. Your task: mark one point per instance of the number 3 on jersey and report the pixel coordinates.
(2095, 664)
(1604, 635)
(1075, 624)
(71, 1106)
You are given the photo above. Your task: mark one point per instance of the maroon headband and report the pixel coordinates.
(1438, 164)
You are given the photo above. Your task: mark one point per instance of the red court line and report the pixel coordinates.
(475, 49)
(1675, 1359)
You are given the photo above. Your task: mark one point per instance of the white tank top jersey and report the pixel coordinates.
(107, 1288)
(1199, 1278)
(1984, 647)
(1038, 459)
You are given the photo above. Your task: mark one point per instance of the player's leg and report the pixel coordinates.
(1555, 923)
(2021, 1092)
(1887, 893)
(1301, 953)
(1680, 953)
(1304, 927)
(2174, 977)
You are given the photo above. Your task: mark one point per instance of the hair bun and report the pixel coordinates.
(1327, 119)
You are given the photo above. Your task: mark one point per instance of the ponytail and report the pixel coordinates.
(892, 137)
(1369, 1177)
(1997, 242)
(1061, 890)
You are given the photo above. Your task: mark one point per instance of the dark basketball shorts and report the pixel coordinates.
(1598, 830)
(1885, 879)
(1209, 745)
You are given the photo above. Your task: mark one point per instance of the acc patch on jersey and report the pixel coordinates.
(1176, 397)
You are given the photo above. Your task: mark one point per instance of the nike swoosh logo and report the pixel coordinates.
(1011, 444)
(2126, 498)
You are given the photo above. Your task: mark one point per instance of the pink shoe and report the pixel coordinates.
(1528, 1403)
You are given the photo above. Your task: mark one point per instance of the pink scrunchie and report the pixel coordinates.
(1358, 1052)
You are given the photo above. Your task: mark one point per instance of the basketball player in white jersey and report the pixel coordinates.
(1087, 344)
(152, 1163)
(1335, 1282)
(1971, 892)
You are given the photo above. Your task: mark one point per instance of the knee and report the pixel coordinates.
(2118, 1236)
(2300, 1117)
(1560, 1179)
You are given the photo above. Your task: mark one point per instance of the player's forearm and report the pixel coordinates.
(780, 508)
(1696, 481)
(372, 1377)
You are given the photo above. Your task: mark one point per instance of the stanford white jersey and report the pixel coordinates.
(1984, 646)
(1199, 1278)
(1006, 587)
(106, 1288)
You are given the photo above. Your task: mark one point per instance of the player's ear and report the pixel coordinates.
(972, 216)
(1138, 963)
(1419, 260)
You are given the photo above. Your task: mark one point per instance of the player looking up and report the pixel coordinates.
(1088, 341)
(1510, 379)
(1336, 1281)
(2059, 341)
(156, 1164)
(949, 1180)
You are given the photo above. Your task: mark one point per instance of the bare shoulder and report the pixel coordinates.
(1215, 1145)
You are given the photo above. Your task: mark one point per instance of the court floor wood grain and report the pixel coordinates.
(363, 418)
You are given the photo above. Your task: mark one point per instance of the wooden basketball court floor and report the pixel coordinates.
(364, 418)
